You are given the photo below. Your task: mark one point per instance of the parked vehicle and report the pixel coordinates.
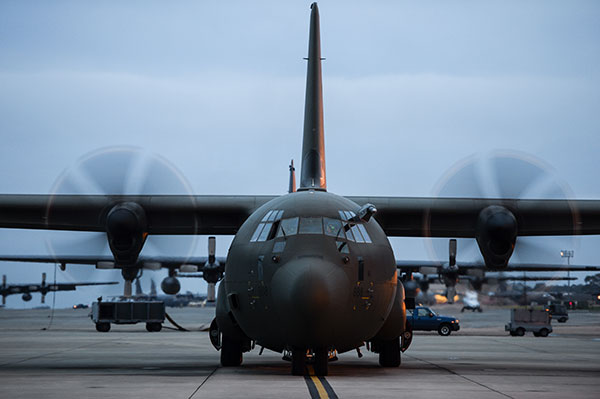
(424, 319)
(558, 312)
(537, 321)
(128, 312)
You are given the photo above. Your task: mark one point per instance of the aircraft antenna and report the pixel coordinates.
(292, 188)
(313, 144)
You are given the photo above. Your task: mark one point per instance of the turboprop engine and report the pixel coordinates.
(126, 229)
(496, 235)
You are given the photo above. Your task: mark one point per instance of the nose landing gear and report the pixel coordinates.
(318, 359)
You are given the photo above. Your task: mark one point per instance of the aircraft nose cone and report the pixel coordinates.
(310, 295)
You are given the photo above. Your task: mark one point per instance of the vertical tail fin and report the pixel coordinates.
(313, 144)
(153, 288)
(138, 288)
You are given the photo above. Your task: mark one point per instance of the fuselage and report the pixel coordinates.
(302, 272)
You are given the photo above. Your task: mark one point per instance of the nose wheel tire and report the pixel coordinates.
(231, 352)
(321, 361)
(298, 362)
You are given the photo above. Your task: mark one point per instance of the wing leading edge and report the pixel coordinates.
(223, 215)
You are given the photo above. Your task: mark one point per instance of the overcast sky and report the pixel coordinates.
(411, 89)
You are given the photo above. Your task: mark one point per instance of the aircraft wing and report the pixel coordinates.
(73, 286)
(165, 214)
(12, 289)
(417, 265)
(458, 217)
(219, 214)
(532, 267)
(150, 262)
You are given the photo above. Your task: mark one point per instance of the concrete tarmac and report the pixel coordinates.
(71, 359)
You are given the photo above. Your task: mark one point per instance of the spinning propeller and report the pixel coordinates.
(116, 171)
(502, 174)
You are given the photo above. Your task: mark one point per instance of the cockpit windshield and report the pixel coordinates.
(272, 225)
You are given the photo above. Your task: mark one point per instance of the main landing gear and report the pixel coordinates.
(389, 353)
(231, 352)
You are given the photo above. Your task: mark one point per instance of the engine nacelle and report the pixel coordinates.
(170, 285)
(477, 284)
(126, 229)
(212, 273)
(496, 235)
(26, 297)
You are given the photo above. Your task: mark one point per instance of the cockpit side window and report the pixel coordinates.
(355, 230)
(357, 234)
(267, 228)
(265, 232)
(288, 227)
(365, 235)
(257, 232)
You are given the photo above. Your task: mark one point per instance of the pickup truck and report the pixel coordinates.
(424, 319)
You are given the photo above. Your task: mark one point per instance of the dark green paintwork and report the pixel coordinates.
(310, 297)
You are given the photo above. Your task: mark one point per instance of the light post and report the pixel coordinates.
(568, 253)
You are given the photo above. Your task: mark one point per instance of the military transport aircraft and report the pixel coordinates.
(43, 288)
(451, 272)
(309, 271)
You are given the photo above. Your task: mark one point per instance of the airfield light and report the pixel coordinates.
(568, 253)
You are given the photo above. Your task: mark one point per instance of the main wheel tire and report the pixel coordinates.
(389, 353)
(103, 327)
(298, 362)
(231, 352)
(444, 330)
(321, 362)
(562, 320)
(536, 334)
(543, 332)
(153, 327)
(520, 332)
(512, 333)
